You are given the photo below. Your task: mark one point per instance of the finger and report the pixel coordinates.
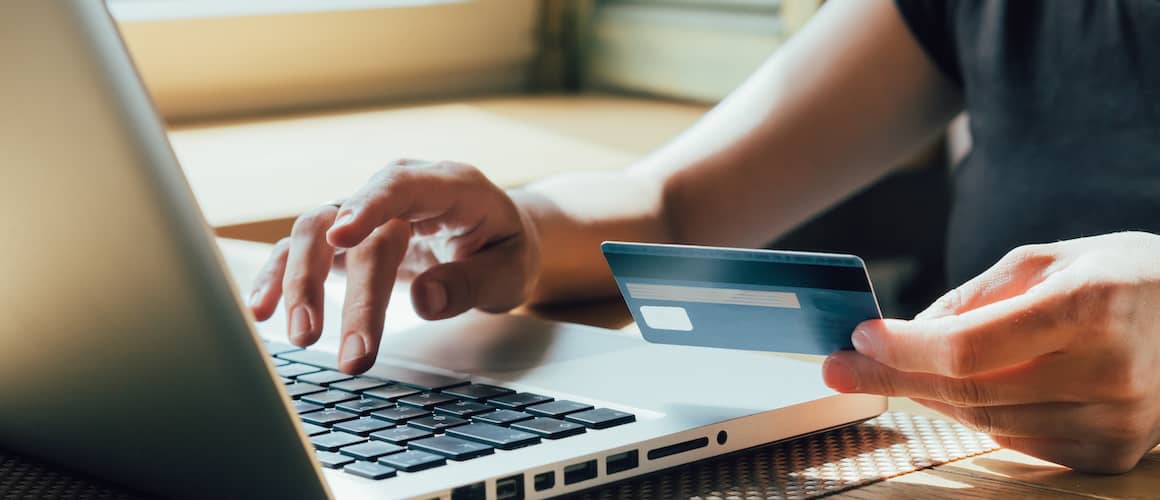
(371, 271)
(493, 280)
(991, 337)
(1051, 379)
(307, 265)
(1081, 456)
(1041, 420)
(263, 300)
(1014, 274)
(413, 191)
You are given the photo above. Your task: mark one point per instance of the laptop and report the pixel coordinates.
(126, 353)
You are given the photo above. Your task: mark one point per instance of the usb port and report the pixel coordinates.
(579, 472)
(545, 481)
(621, 462)
(510, 488)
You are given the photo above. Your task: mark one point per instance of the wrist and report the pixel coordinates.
(527, 206)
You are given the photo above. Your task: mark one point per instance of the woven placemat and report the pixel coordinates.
(895, 443)
(892, 444)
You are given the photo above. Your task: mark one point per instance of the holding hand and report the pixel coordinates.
(1054, 351)
(462, 240)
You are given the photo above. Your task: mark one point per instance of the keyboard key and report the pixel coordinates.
(413, 460)
(329, 398)
(293, 370)
(549, 428)
(414, 378)
(313, 430)
(363, 426)
(557, 408)
(325, 377)
(286, 381)
(464, 408)
(390, 392)
(478, 392)
(427, 400)
(499, 437)
(364, 406)
(275, 348)
(335, 440)
(401, 435)
(519, 401)
(301, 407)
(452, 447)
(327, 417)
(358, 384)
(370, 470)
(370, 450)
(280, 362)
(332, 460)
(400, 414)
(502, 417)
(601, 418)
(298, 390)
(436, 423)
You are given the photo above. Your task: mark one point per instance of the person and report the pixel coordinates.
(1050, 342)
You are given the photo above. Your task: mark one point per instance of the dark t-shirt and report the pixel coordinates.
(1064, 105)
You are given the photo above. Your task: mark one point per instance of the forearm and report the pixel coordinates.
(847, 99)
(839, 105)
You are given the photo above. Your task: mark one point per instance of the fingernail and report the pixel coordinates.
(299, 324)
(353, 348)
(344, 218)
(435, 296)
(839, 376)
(863, 343)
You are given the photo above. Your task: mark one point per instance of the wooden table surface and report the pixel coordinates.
(252, 177)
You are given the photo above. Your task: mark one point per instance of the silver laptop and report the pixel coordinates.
(126, 353)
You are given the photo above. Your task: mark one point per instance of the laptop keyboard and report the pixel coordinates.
(376, 427)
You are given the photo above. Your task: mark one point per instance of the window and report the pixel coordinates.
(208, 58)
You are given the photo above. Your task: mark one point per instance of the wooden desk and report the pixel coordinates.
(1002, 474)
(253, 177)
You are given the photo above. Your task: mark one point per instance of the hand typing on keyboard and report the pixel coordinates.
(462, 241)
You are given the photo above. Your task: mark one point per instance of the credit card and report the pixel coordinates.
(760, 300)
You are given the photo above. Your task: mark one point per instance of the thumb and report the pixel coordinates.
(493, 280)
(1014, 274)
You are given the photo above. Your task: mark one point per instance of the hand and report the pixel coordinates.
(1054, 352)
(462, 240)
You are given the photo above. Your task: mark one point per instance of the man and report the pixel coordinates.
(1051, 348)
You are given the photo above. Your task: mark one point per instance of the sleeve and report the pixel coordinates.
(932, 24)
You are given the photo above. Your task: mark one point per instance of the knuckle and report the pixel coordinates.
(1121, 379)
(960, 355)
(982, 419)
(953, 299)
(299, 287)
(1029, 253)
(359, 310)
(960, 391)
(879, 381)
(373, 246)
(310, 223)
(391, 173)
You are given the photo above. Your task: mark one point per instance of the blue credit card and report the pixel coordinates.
(761, 300)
